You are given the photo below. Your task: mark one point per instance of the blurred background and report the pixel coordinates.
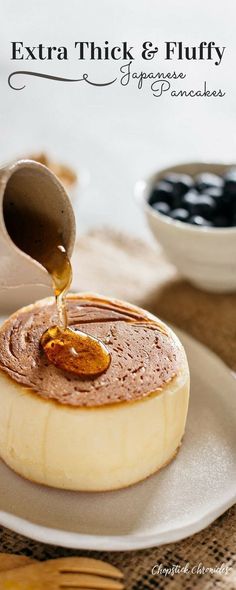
(113, 136)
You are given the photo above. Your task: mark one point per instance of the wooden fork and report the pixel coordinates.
(69, 572)
(9, 561)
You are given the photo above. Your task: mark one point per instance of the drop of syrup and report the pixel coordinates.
(74, 351)
(67, 348)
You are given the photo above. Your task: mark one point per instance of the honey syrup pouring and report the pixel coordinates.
(68, 348)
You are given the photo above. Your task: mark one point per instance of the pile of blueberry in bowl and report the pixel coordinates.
(206, 200)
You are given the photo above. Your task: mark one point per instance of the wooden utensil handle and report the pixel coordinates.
(15, 579)
(9, 561)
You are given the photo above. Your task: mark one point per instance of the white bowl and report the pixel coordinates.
(206, 256)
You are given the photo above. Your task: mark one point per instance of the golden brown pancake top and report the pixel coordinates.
(144, 355)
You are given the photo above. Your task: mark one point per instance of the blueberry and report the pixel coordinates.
(181, 184)
(233, 222)
(190, 201)
(214, 191)
(218, 196)
(227, 204)
(199, 204)
(180, 214)
(161, 207)
(230, 182)
(207, 179)
(230, 174)
(162, 191)
(221, 221)
(232, 217)
(200, 221)
(206, 206)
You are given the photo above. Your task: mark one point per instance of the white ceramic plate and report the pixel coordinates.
(186, 496)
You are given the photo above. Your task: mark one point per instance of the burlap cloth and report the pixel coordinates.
(121, 266)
